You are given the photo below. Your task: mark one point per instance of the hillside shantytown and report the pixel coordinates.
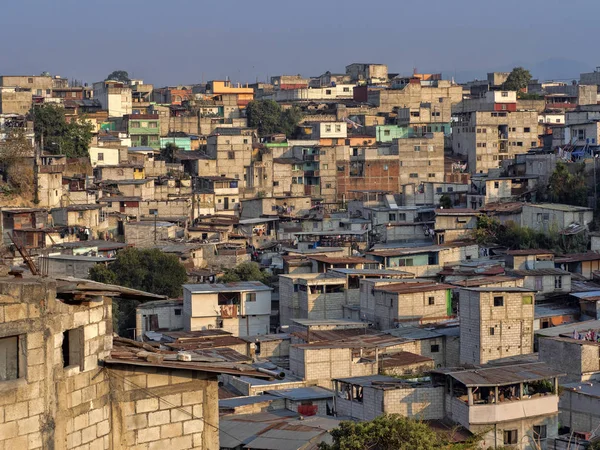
(232, 265)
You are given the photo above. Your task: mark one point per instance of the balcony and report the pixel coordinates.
(512, 410)
(312, 173)
(307, 157)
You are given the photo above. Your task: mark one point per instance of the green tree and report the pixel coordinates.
(518, 79)
(14, 151)
(445, 201)
(56, 135)
(568, 186)
(265, 115)
(148, 270)
(289, 121)
(168, 152)
(268, 117)
(247, 271)
(388, 432)
(118, 75)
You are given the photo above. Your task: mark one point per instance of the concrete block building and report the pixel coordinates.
(489, 130)
(242, 308)
(495, 322)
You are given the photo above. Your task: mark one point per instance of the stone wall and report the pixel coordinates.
(50, 402)
(161, 408)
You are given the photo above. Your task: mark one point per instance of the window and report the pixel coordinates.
(402, 217)
(528, 299)
(526, 130)
(385, 167)
(492, 331)
(30, 80)
(135, 124)
(539, 433)
(72, 347)
(327, 91)
(450, 189)
(533, 143)
(338, 128)
(496, 184)
(230, 155)
(511, 437)
(328, 128)
(178, 312)
(431, 175)
(153, 212)
(519, 144)
(504, 94)
(328, 185)
(431, 301)
(73, 94)
(558, 282)
(498, 301)
(275, 183)
(479, 158)
(346, 89)
(245, 141)
(417, 148)
(392, 217)
(386, 132)
(153, 125)
(414, 175)
(250, 296)
(100, 156)
(325, 166)
(438, 190)
(12, 358)
(435, 348)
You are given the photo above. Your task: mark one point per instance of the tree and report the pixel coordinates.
(118, 75)
(289, 121)
(518, 79)
(445, 201)
(388, 432)
(265, 115)
(247, 271)
(568, 186)
(168, 153)
(56, 135)
(268, 117)
(148, 270)
(14, 151)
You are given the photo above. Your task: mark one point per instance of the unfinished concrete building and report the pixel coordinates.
(412, 94)
(489, 130)
(496, 322)
(65, 386)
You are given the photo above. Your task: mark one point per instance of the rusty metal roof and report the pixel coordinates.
(578, 257)
(483, 281)
(530, 251)
(342, 259)
(412, 288)
(126, 351)
(538, 272)
(379, 340)
(501, 375)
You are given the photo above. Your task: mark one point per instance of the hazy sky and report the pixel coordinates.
(187, 41)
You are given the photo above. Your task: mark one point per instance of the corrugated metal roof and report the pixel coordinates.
(226, 287)
(412, 288)
(502, 375)
(538, 272)
(304, 393)
(231, 403)
(577, 257)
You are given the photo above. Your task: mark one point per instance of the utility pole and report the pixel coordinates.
(155, 215)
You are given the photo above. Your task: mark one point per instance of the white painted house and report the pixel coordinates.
(242, 308)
